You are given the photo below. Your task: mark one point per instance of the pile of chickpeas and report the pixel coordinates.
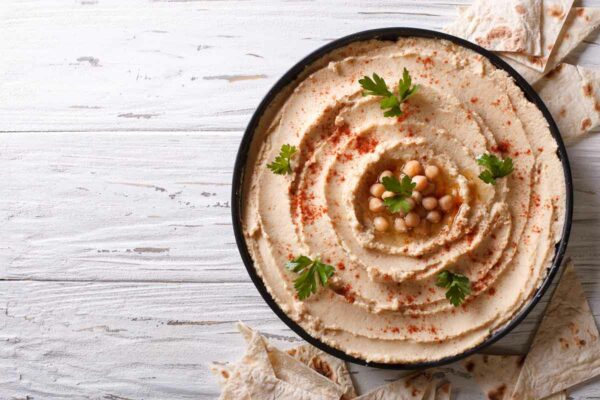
(425, 207)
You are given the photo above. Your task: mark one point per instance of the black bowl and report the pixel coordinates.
(393, 34)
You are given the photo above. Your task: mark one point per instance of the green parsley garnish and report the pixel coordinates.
(458, 286)
(402, 189)
(306, 283)
(282, 164)
(495, 167)
(391, 103)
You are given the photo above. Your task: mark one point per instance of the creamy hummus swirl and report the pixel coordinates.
(382, 303)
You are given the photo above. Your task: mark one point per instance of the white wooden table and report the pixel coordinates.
(119, 123)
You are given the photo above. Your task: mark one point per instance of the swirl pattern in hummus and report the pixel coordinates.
(382, 303)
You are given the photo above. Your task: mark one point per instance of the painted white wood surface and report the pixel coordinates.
(119, 123)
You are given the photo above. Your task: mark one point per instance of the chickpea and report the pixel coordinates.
(375, 204)
(412, 220)
(432, 172)
(400, 225)
(412, 168)
(411, 202)
(446, 203)
(429, 190)
(384, 174)
(381, 224)
(387, 194)
(417, 197)
(377, 189)
(421, 182)
(434, 217)
(430, 203)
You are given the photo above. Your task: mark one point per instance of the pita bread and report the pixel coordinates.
(495, 375)
(565, 349)
(509, 25)
(580, 23)
(268, 373)
(413, 387)
(254, 384)
(572, 94)
(330, 367)
(284, 366)
(554, 15)
(443, 392)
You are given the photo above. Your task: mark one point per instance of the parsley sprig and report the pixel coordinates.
(402, 189)
(282, 163)
(458, 286)
(376, 86)
(495, 167)
(311, 272)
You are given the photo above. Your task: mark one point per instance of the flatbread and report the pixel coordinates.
(508, 25)
(443, 391)
(496, 376)
(254, 384)
(572, 94)
(554, 15)
(286, 367)
(580, 23)
(413, 387)
(565, 349)
(265, 372)
(330, 367)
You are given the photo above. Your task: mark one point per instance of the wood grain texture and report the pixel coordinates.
(119, 124)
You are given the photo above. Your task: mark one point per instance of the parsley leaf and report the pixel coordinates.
(396, 204)
(306, 283)
(458, 286)
(495, 167)
(376, 86)
(403, 189)
(282, 163)
(404, 86)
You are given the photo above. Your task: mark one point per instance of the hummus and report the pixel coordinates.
(382, 303)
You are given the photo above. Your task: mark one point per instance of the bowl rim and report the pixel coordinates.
(393, 34)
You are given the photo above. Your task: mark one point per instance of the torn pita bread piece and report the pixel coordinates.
(572, 94)
(496, 376)
(554, 15)
(565, 350)
(413, 387)
(443, 391)
(508, 25)
(580, 23)
(330, 367)
(269, 373)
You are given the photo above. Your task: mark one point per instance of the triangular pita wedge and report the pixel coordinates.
(413, 387)
(254, 384)
(508, 25)
(580, 23)
(554, 15)
(572, 94)
(265, 372)
(496, 376)
(286, 367)
(565, 350)
(330, 367)
(443, 391)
